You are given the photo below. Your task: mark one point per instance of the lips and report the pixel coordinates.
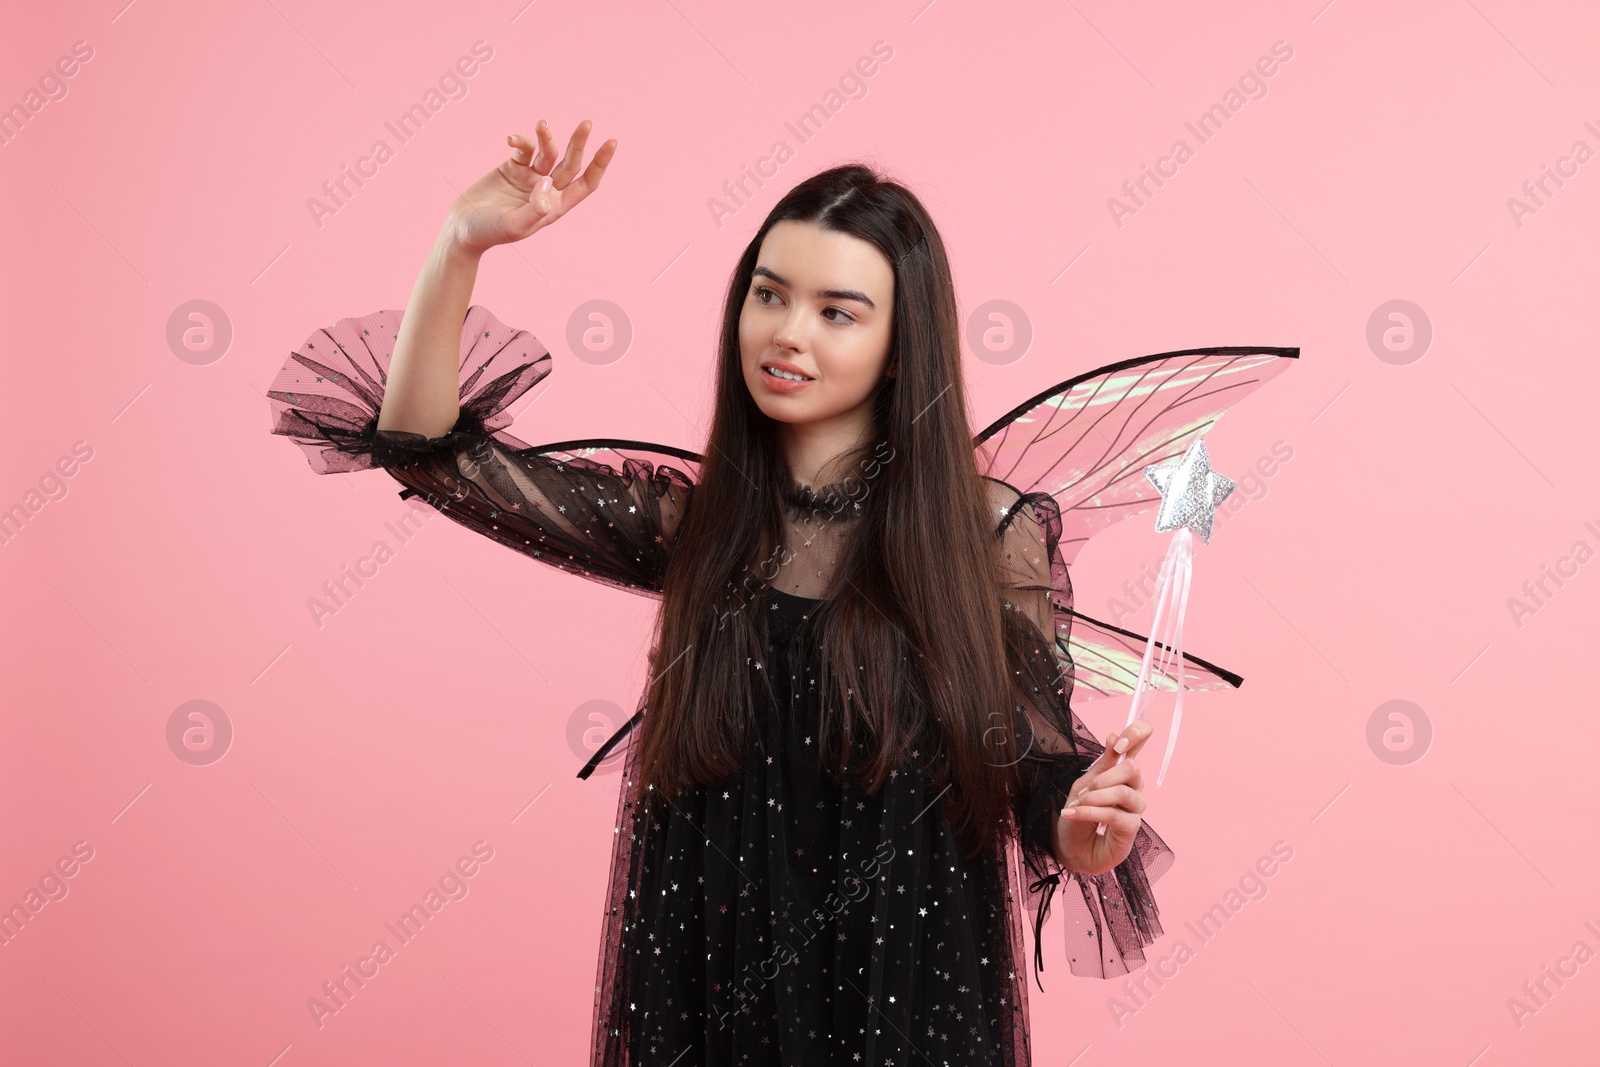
(785, 366)
(776, 385)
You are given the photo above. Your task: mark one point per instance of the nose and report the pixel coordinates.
(791, 333)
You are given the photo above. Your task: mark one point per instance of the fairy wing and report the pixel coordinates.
(1074, 455)
(1106, 661)
(1086, 442)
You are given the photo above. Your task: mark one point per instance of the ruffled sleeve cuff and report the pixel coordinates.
(1110, 917)
(327, 396)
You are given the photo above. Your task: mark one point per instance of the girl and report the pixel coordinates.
(857, 704)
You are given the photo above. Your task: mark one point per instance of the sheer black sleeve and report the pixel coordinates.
(607, 509)
(1114, 914)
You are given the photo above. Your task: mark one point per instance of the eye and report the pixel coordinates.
(759, 292)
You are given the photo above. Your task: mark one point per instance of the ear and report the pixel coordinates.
(892, 368)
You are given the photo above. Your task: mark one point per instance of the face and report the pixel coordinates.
(822, 303)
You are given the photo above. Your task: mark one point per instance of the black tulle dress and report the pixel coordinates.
(785, 917)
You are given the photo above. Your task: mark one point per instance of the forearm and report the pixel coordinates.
(423, 394)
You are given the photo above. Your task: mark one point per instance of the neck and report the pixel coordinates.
(809, 448)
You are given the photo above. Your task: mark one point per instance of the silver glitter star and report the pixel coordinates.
(1190, 491)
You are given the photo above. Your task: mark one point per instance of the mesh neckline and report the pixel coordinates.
(839, 497)
(805, 496)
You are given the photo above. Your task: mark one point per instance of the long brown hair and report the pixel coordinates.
(915, 653)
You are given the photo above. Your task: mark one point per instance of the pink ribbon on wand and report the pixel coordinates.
(1172, 584)
(1190, 492)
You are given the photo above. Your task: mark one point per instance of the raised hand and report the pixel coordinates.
(529, 191)
(1110, 793)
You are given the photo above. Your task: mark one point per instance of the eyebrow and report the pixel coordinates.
(831, 294)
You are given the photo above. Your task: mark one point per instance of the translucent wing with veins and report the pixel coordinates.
(1086, 442)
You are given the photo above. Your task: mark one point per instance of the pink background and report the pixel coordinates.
(433, 710)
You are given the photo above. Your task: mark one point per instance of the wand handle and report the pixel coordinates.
(1172, 591)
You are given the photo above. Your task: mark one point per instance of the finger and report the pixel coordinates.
(1115, 796)
(1090, 779)
(1105, 761)
(1127, 772)
(522, 149)
(1114, 818)
(589, 181)
(1135, 774)
(1107, 757)
(1132, 738)
(544, 159)
(574, 154)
